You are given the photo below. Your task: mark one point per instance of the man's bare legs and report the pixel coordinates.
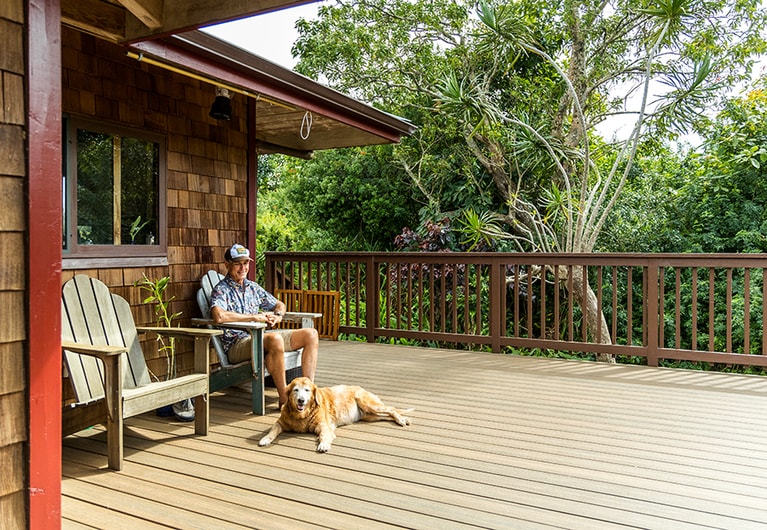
(274, 356)
(308, 339)
(274, 359)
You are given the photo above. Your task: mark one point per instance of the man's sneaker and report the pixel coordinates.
(184, 410)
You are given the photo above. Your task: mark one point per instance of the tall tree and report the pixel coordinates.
(511, 94)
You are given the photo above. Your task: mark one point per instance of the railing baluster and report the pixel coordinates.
(677, 307)
(728, 305)
(711, 309)
(432, 300)
(629, 307)
(498, 310)
(570, 308)
(468, 290)
(543, 303)
(530, 302)
(454, 305)
(394, 300)
(557, 294)
(747, 311)
(661, 307)
(480, 278)
(614, 328)
(409, 298)
(372, 288)
(694, 289)
(517, 294)
(443, 298)
(764, 311)
(584, 297)
(359, 291)
(599, 304)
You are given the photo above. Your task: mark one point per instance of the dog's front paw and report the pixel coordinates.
(263, 442)
(404, 420)
(323, 447)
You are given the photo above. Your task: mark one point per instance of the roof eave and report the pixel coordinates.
(217, 59)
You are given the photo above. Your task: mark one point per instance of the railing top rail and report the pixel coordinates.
(534, 258)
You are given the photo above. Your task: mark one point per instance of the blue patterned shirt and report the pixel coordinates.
(249, 299)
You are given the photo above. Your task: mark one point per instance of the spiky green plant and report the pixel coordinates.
(156, 290)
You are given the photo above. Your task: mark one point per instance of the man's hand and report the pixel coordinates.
(272, 319)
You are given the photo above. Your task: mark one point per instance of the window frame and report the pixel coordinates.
(76, 255)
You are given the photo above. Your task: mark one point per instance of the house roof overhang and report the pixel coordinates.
(126, 21)
(166, 33)
(285, 100)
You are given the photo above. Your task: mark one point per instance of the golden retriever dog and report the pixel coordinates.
(320, 410)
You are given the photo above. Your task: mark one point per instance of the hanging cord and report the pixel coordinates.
(306, 125)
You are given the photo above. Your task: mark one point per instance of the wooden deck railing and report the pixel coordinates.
(694, 307)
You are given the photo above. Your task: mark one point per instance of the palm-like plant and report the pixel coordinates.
(156, 290)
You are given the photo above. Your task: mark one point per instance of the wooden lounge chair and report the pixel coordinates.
(326, 303)
(107, 369)
(229, 374)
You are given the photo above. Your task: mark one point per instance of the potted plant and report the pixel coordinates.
(183, 410)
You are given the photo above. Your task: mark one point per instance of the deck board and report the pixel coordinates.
(496, 442)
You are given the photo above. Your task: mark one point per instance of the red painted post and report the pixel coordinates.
(44, 272)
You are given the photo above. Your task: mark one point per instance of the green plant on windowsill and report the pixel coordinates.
(136, 227)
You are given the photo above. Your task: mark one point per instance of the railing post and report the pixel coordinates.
(269, 274)
(371, 297)
(654, 318)
(497, 312)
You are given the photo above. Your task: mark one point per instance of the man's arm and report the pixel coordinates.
(220, 315)
(279, 307)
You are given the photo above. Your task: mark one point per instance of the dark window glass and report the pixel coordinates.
(112, 186)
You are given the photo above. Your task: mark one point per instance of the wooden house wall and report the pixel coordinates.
(207, 173)
(13, 403)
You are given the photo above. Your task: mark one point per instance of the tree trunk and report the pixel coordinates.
(587, 301)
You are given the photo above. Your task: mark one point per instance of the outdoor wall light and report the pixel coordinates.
(222, 106)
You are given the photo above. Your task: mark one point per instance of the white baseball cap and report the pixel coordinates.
(237, 252)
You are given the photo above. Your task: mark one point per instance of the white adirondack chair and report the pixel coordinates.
(107, 369)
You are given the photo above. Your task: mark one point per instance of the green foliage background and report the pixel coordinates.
(432, 193)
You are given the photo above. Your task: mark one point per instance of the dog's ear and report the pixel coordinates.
(318, 396)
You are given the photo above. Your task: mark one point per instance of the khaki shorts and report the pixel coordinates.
(240, 350)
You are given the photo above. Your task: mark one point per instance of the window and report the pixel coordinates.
(114, 192)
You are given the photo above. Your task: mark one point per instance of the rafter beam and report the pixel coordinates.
(183, 15)
(148, 12)
(265, 147)
(97, 18)
(133, 21)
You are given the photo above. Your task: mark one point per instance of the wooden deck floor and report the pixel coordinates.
(496, 442)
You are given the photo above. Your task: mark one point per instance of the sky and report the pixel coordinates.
(270, 35)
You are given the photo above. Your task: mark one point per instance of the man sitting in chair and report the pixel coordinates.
(238, 299)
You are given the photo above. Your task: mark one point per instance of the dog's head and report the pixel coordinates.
(301, 394)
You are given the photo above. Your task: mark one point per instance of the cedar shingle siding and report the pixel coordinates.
(206, 165)
(13, 402)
